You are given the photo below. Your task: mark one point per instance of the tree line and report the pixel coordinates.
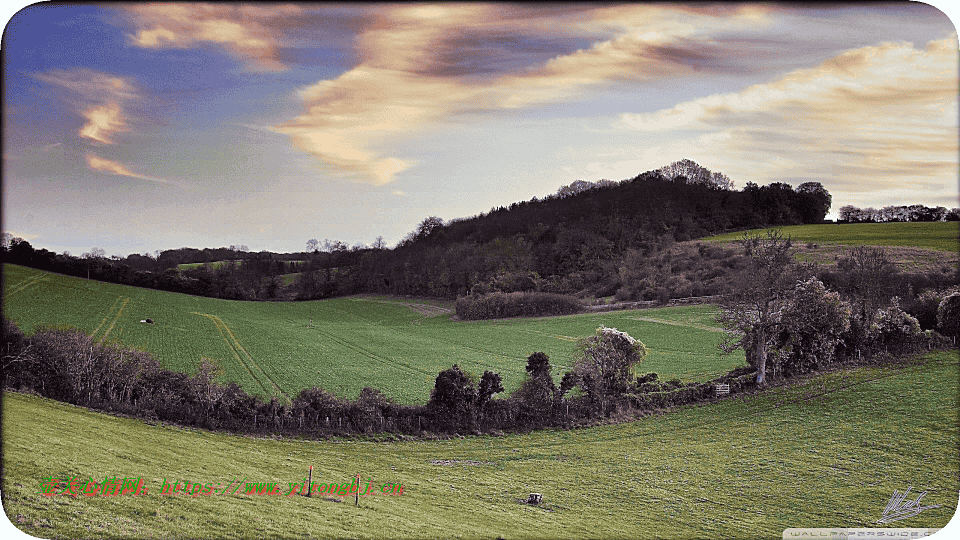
(574, 241)
(897, 214)
(786, 319)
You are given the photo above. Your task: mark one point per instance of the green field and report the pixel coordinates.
(345, 344)
(828, 451)
(941, 236)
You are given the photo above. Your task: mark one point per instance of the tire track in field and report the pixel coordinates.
(124, 300)
(368, 353)
(243, 357)
(105, 317)
(675, 323)
(29, 282)
(118, 304)
(557, 336)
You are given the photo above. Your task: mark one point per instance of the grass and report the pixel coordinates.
(940, 236)
(828, 451)
(395, 345)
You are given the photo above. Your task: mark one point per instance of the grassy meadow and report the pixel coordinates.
(395, 345)
(939, 236)
(826, 451)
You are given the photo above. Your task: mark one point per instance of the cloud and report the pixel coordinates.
(98, 163)
(250, 32)
(102, 122)
(98, 98)
(854, 121)
(422, 66)
(89, 83)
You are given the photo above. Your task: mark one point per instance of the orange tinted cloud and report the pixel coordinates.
(98, 163)
(415, 74)
(99, 97)
(244, 30)
(855, 119)
(102, 122)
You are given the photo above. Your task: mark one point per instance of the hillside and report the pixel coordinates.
(395, 345)
(570, 242)
(813, 454)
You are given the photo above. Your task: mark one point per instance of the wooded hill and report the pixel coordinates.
(577, 241)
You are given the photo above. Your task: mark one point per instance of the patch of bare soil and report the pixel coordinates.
(427, 310)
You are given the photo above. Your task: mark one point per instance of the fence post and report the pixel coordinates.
(310, 482)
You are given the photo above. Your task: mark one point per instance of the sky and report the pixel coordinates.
(137, 127)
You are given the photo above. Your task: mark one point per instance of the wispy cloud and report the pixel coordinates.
(103, 121)
(250, 32)
(98, 97)
(419, 69)
(98, 163)
(853, 120)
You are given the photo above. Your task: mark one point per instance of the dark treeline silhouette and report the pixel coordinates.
(571, 242)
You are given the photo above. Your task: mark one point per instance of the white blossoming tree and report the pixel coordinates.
(606, 362)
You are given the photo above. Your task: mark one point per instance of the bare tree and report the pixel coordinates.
(752, 316)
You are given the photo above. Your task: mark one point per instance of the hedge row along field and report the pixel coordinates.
(826, 451)
(395, 345)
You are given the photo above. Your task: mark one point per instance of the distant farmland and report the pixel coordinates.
(940, 236)
(395, 345)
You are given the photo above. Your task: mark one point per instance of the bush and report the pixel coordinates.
(453, 400)
(606, 363)
(948, 315)
(516, 304)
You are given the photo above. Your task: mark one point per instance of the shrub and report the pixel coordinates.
(453, 400)
(516, 304)
(892, 326)
(813, 322)
(948, 315)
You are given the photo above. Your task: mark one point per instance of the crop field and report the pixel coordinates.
(827, 451)
(395, 345)
(940, 236)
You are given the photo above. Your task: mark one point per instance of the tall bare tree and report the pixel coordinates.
(752, 316)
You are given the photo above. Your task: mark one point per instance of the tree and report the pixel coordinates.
(606, 362)
(869, 276)
(752, 318)
(453, 400)
(813, 320)
(538, 365)
(490, 384)
(692, 172)
(893, 326)
(815, 202)
(948, 316)
(577, 186)
(313, 245)
(849, 213)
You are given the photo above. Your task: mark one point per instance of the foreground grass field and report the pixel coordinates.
(342, 345)
(826, 452)
(940, 236)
